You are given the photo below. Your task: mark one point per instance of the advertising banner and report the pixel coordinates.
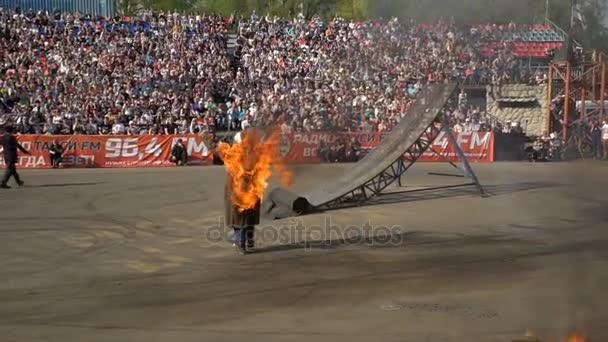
(476, 146)
(155, 150)
(303, 148)
(111, 151)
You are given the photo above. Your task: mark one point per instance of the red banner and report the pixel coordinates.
(476, 146)
(111, 151)
(155, 150)
(302, 148)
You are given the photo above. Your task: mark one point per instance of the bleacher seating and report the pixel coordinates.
(526, 40)
(182, 73)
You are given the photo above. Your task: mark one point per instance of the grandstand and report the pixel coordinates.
(187, 74)
(528, 40)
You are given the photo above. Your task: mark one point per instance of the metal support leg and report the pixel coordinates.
(400, 171)
(468, 171)
(374, 186)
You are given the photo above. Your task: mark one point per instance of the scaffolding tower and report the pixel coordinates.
(576, 94)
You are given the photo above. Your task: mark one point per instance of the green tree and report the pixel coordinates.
(499, 11)
(462, 11)
(128, 7)
(354, 9)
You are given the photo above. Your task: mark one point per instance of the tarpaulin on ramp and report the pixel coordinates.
(418, 118)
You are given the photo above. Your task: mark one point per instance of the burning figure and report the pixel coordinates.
(248, 162)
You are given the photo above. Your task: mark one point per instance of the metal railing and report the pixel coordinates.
(561, 31)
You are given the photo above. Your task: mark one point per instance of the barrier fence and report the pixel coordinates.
(303, 147)
(111, 151)
(83, 151)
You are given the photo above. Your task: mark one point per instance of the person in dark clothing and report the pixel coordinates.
(171, 127)
(242, 222)
(56, 153)
(324, 152)
(179, 155)
(354, 151)
(596, 138)
(10, 145)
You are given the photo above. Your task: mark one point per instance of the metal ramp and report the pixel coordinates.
(383, 165)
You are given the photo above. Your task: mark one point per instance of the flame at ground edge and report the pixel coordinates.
(576, 337)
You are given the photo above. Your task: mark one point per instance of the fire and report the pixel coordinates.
(250, 165)
(576, 337)
(573, 337)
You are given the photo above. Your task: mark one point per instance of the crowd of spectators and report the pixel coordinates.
(63, 73)
(465, 117)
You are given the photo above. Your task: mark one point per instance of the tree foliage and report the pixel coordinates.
(594, 35)
(462, 11)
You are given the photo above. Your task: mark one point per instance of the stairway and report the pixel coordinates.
(234, 51)
(231, 44)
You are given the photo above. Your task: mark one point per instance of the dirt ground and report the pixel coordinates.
(138, 255)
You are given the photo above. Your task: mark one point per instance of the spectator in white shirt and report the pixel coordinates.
(467, 125)
(285, 128)
(245, 123)
(475, 126)
(605, 138)
(118, 128)
(458, 127)
(462, 100)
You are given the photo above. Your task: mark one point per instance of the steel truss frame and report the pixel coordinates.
(581, 80)
(377, 184)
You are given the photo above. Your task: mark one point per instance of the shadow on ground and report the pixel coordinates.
(397, 240)
(438, 193)
(415, 195)
(62, 185)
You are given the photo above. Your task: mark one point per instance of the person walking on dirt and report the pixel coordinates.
(10, 145)
(596, 139)
(605, 138)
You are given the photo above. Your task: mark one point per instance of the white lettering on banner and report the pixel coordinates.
(113, 148)
(79, 160)
(117, 147)
(193, 147)
(441, 140)
(366, 139)
(478, 140)
(463, 138)
(31, 161)
(27, 145)
(310, 152)
(129, 148)
(474, 140)
(314, 138)
(90, 145)
(114, 163)
(154, 147)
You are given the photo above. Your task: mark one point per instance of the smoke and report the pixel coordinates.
(464, 11)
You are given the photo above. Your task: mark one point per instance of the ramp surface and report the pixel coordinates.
(419, 117)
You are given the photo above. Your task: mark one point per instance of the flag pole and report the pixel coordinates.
(571, 31)
(572, 4)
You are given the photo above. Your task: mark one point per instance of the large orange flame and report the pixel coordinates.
(576, 337)
(249, 165)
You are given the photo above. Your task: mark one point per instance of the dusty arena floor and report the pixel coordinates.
(136, 255)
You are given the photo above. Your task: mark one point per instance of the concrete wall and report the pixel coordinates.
(536, 117)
